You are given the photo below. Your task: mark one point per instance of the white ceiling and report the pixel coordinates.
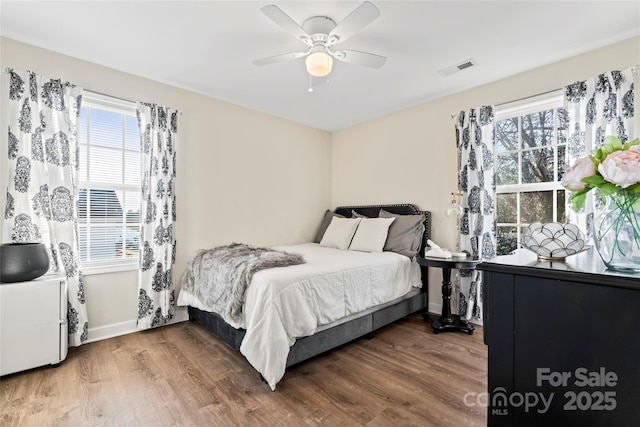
(208, 47)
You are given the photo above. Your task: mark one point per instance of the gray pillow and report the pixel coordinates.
(405, 233)
(355, 214)
(326, 220)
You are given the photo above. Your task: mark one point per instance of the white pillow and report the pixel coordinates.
(340, 232)
(371, 234)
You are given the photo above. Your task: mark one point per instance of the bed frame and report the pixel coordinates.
(327, 339)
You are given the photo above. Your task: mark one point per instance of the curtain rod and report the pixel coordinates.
(6, 69)
(527, 97)
(128, 100)
(517, 100)
(634, 69)
(109, 96)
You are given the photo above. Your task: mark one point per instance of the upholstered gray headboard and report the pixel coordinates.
(372, 211)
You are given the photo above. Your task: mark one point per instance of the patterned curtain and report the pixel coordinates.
(159, 137)
(42, 194)
(477, 183)
(597, 107)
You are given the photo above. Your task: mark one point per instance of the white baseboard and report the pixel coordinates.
(127, 327)
(435, 308)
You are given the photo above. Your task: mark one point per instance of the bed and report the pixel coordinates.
(308, 336)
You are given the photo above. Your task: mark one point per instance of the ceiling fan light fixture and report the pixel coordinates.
(320, 33)
(319, 64)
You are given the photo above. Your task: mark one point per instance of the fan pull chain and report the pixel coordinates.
(310, 83)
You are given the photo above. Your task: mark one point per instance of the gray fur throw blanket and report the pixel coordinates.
(219, 277)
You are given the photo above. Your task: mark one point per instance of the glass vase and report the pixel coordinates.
(616, 232)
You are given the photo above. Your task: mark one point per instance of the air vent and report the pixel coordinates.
(459, 67)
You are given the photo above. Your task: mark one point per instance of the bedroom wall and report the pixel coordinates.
(235, 183)
(242, 175)
(410, 156)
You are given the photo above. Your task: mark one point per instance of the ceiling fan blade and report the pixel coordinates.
(286, 23)
(280, 58)
(361, 16)
(360, 58)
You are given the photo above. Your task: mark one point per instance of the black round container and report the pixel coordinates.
(20, 262)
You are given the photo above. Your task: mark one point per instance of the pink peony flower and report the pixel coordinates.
(622, 167)
(572, 179)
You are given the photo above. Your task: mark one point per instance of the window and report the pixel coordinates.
(531, 137)
(109, 199)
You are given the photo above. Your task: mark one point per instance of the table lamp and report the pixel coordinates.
(455, 210)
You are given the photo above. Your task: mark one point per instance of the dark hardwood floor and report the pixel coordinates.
(182, 375)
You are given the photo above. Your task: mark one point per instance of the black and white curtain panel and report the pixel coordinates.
(597, 107)
(158, 137)
(42, 192)
(477, 183)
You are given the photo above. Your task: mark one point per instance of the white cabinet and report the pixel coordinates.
(33, 323)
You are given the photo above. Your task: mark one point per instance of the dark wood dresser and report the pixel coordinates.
(563, 342)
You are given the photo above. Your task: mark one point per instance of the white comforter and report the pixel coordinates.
(286, 303)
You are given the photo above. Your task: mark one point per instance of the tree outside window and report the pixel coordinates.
(530, 152)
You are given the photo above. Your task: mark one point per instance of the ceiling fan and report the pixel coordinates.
(321, 34)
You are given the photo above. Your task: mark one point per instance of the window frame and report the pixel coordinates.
(548, 101)
(119, 106)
